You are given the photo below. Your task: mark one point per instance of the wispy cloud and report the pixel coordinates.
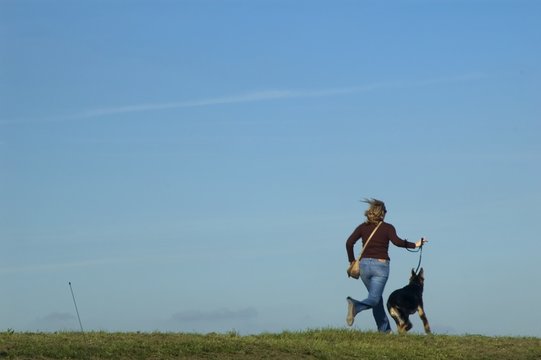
(82, 263)
(56, 266)
(258, 96)
(269, 95)
(214, 315)
(57, 316)
(55, 321)
(235, 99)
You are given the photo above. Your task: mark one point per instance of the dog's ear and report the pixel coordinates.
(421, 272)
(413, 272)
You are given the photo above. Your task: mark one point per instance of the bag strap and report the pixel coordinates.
(369, 238)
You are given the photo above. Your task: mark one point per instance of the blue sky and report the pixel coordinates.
(198, 165)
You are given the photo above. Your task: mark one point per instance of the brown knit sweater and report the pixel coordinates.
(378, 247)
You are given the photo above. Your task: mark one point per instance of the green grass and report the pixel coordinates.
(311, 344)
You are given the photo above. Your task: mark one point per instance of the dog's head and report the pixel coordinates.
(417, 279)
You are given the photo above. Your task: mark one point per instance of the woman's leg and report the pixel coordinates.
(382, 321)
(374, 274)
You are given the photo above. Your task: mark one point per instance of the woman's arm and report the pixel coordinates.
(353, 238)
(398, 241)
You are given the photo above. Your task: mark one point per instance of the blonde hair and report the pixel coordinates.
(376, 212)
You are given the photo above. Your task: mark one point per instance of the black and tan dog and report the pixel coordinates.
(406, 301)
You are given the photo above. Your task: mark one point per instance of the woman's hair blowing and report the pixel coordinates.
(376, 211)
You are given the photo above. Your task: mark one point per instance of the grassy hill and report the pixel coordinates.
(311, 344)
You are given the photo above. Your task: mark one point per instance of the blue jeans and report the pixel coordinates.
(374, 274)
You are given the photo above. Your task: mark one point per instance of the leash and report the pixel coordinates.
(420, 251)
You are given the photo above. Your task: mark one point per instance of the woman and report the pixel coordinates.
(374, 262)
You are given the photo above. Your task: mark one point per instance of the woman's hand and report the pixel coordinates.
(421, 242)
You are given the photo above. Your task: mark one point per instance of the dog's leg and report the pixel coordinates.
(400, 324)
(409, 325)
(422, 315)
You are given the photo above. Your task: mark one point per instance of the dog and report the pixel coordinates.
(406, 301)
